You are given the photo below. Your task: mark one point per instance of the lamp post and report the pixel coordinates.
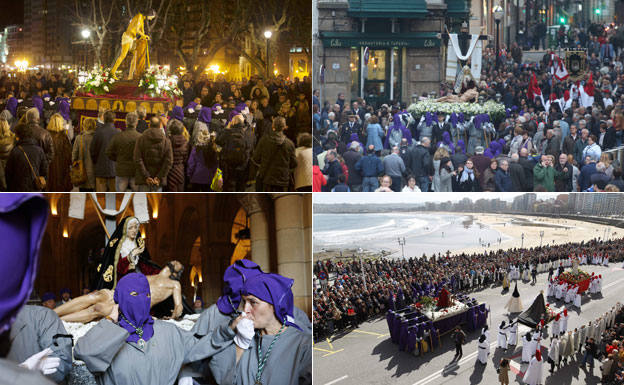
(522, 244)
(267, 36)
(402, 243)
(86, 34)
(498, 16)
(541, 237)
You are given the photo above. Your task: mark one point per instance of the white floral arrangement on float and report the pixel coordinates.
(456, 308)
(492, 108)
(157, 81)
(97, 81)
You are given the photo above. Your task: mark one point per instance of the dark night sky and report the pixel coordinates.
(12, 12)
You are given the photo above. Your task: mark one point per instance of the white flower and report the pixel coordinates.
(151, 86)
(106, 88)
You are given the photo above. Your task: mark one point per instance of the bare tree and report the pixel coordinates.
(96, 16)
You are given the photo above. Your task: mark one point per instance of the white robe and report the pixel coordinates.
(553, 351)
(527, 344)
(563, 327)
(513, 335)
(555, 328)
(599, 286)
(502, 337)
(606, 261)
(533, 374)
(551, 290)
(577, 300)
(483, 351)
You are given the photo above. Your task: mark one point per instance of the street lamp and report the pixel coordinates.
(85, 33)
(498, 16)
(267, 36)
(522, 244)
(402, 243)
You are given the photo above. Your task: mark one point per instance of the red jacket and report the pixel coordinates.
(318, 179)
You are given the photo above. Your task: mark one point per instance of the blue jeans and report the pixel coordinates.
(424, 183)
(369, 183)
(591, 359)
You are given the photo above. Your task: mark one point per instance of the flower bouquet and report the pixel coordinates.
(98, 81)
(574, 278)
(157, 81)
(493, 109)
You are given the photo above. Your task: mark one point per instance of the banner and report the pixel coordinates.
(140, 207)
(77, 204)
(476, 61)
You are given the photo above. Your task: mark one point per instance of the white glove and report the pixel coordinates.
(42, 362)
(244, 333)
(185, 381)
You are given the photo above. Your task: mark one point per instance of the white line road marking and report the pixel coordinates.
(472, 355)
(337, 380)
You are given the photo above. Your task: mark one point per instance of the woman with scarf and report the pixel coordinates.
(467, 178)
(58, 173)
(130, 347)
(268, 347)
(125, 252)
(489, 183)
(179, 147)
(446, 175)
(203, 162)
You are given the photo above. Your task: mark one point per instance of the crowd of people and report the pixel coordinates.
(345, 301)
(557, 142)
(220, 136)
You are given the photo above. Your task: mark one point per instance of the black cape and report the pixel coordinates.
(532, 316)
(106, 276)
(515, 293)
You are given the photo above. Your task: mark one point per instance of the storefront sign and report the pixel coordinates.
(427, 40)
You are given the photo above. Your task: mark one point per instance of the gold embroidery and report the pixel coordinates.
(108, 276)
(112, 242)
(99, 266)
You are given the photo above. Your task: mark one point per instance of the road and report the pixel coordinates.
(367, 355)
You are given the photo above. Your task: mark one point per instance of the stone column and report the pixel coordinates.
(259, 229)
(292, 253)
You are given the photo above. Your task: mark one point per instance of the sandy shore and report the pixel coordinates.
(556, 231)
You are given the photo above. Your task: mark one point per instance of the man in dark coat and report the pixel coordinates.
(153, 157)
(351, 157)
(502, 177)
(421, 164)
(121, 151)
(332, 169)
(516, 172)
(104, 168)
(39, 134)
(370, 167)
(350, 127)
(275, 156)
(563, 182)
(480, 162)
(528, 165)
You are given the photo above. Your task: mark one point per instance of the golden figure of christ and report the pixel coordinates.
(135, 40)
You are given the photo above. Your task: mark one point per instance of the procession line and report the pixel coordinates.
(472, 355)
(337, 380)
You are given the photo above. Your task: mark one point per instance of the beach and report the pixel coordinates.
(465, 232)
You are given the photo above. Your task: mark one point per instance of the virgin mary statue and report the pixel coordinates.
(124, 253)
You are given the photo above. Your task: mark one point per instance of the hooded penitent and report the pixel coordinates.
(11, 106)
(23, 219)
(205, 115)
(63, 109)
(482, 338)
(38, 104)
(177, 113)
(133, 296)
(276, 290)
(233, 279)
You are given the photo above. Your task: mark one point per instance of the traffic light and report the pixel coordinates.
(562, 20)
(597, 11)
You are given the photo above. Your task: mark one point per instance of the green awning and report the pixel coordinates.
(388, 9)
(458, 8)
(377, 40)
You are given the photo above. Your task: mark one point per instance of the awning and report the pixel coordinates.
(388, 9)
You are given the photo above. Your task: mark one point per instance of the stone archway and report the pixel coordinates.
(188, 230)
(240, 236)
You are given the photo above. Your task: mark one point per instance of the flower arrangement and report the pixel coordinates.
(492, 108)
(157, 81)
(571, 277)
(98, 81)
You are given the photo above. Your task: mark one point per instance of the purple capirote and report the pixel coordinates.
(23, 219)
(132, 293)
(235, 276)
(274, 289)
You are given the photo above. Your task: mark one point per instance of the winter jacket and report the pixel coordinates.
(19, 176)
(421, 163)
(375, 136)
(318, 179)
(44, 140)
(197, 170)
(79, 152)
(351, 157)
(369, 166)
(102, 165)
(303, 175)
(275, 156)
(333, 170)
(58, 174)
(121, 151)
(544, 176)
(175, 178)
(153, 156)
(503, 181)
